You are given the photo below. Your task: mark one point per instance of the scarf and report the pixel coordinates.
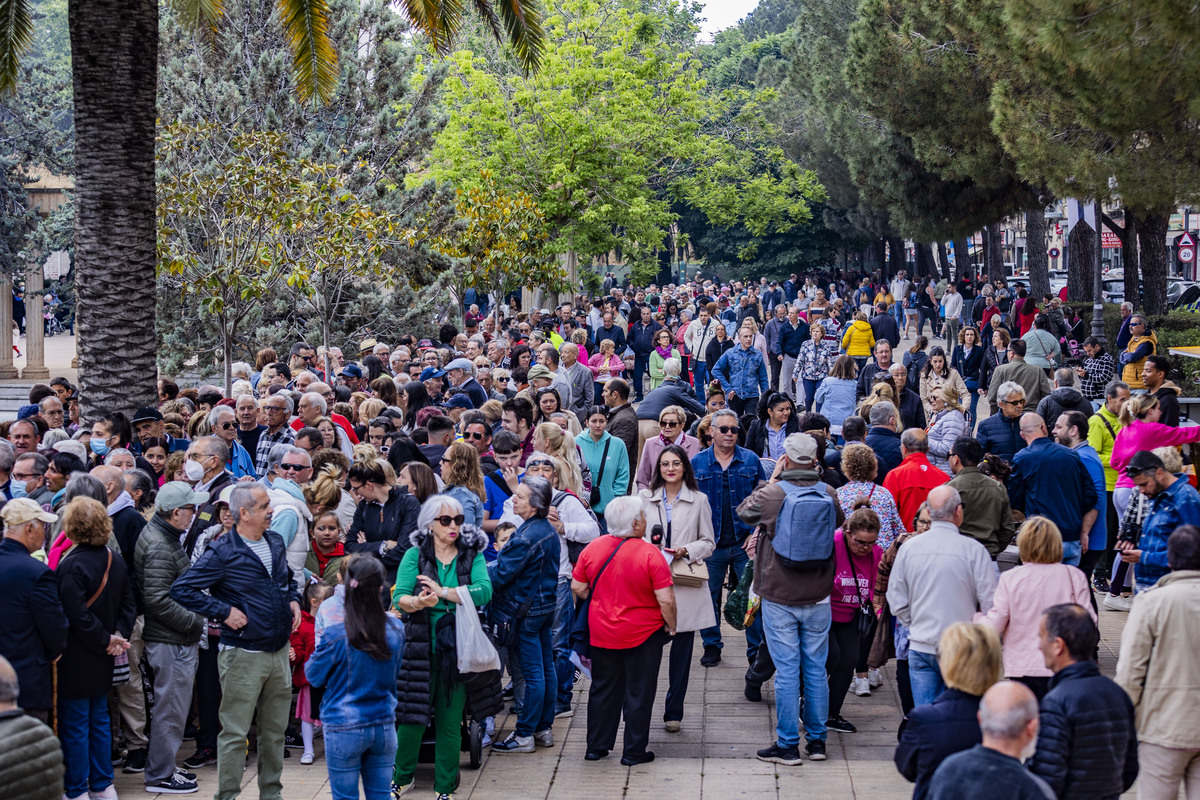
(323, 559)
(665, 354)
(665, 441)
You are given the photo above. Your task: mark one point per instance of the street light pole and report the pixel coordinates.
(1098, 280)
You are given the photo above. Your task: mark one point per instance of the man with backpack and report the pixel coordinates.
(793, 574)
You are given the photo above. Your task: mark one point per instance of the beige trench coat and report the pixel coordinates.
(691, 527)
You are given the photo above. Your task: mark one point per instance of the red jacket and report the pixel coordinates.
(338, 419)
(910, 483)
(303, 641)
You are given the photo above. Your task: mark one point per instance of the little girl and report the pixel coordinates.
(327, 552)
(303, 645)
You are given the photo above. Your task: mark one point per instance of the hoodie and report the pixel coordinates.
(1168, 401)
(1061, 400)
(290, 520)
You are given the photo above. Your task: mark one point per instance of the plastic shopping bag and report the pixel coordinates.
(475, 650)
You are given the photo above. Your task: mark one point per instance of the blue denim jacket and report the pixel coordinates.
(359, 690)
(742, 371)
(745, 472)
(527, 568)
(1178, 505)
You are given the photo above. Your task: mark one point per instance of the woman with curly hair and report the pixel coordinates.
(464, 480)
(860, 467)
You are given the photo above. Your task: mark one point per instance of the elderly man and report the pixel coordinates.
(211, 454)
(1065, 397)
(249, 428)
(579, 376)
(1008, 719)
(31, 760)
(461, 373)
(672, 392)
(353, 378)
(277, 411)
(912, 410)
(243, 579)
(290, 462)
(310, 411)
(1032, 380)
(1159, 670)
(33, 628)
(23, 435)
(326, 391)
(1000, 434)
(148, 424)
(884, 440)
(171, 632)
(911, 482)
(941, 580)
(51, 410)
(222, 420)
(1052, 481)
(29, 479)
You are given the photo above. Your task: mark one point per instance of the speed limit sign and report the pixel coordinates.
(1187, 254)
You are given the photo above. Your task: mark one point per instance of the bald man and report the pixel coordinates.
(1052, 481)
(993, 770)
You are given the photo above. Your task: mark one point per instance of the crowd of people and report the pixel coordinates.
(388, 550)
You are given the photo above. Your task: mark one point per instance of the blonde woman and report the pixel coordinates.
(947, 423)
(1024, 593)
(550, 439)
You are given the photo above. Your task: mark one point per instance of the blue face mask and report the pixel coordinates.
(17, 489)
(99, 446)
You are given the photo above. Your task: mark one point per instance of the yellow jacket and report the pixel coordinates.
(1132, 374)
(858, 341)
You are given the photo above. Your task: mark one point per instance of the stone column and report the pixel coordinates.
(7, 370)
(35, 332)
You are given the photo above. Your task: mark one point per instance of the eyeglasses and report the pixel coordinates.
(728, 428)
(275, 409)
(292, 467)
(861, 542)
(500, 380)
(669, 424)
(1012, 402)
(226, 425)
(26, 477)
(446, 520)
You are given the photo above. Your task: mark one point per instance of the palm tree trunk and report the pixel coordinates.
(1152, 240)
(114, 59)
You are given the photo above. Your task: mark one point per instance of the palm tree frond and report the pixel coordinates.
(16, 35)
(438, 20)
(485, 9)
(194, 13)
(523, 21)
(314, 60)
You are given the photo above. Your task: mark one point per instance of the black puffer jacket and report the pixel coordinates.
(31, 762)
(414, 699)
(158, 559)
(1087, 744)
(1060, 401)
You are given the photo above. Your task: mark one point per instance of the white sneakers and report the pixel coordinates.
(544, 738)
(1117, 603)
(874, 678)
(861, 687)
(306, 759)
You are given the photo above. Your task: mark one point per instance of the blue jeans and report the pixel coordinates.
(1071, 553)
(536, 654)
(641, 365)
(719, 564)
(973, 388)
(810, 393)
(798, 640)
(560, 634)
(897, 311)
(700, 378)
(925, 677)
(86, 744)
(369, 751)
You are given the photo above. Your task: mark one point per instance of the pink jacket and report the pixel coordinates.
(1021, 596)
(650, 451)
(615, 365)
(1142, 435)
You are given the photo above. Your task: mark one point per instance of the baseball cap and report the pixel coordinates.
(366, 346)
(425, 344)
(800, 448)
(459, 400)
(176, 494)
(147, 413)
(432, 372)
(353, 370)
(20, 510)
(73, 447)
(460, 363)
(540, 371)
(226, 495)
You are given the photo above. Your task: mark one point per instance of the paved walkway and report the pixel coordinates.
(711, 757)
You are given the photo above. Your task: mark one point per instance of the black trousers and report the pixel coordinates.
(743, 405)
(843, 657)
(208, 696)
(1099, 562)
(904, 686)
(623, 684)
(679, 667)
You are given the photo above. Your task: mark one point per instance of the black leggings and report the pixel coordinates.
(843, 657)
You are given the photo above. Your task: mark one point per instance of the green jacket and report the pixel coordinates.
(158, 559)
(31, 761)
(987, 516)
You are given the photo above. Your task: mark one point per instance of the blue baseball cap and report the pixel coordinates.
(432, 372)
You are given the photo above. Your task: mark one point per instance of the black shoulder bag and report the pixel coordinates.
(580, 637)
(594, 497)
(864, 618)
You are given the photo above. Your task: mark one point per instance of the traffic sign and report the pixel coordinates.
(1185, 240)
(1054, 252)
(1187, 254)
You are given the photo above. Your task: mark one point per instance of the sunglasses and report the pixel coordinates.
(226, 425)
(668, 424)
(500, 380)
(470, 435)
(292, 467)
(446, 520)
(728, 428)
(1133, 472)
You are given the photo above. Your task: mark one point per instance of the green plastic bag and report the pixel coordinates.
(738, 601)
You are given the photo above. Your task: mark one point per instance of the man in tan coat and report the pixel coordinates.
(1159, 670)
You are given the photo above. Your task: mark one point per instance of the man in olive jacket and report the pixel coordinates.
(987, 515)
(171, 632)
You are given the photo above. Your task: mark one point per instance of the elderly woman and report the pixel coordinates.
(674, 503)
(445, 560)
(664, 349)
(969, 658)
(856, 565)
(670, 432)
(631, 617)
(605, 364)
(814, 363)
(525, 576)
(97, 598)
(946, 424)
(860, 466)
(1024, 593)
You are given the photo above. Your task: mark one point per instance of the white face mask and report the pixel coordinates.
(193, 471)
